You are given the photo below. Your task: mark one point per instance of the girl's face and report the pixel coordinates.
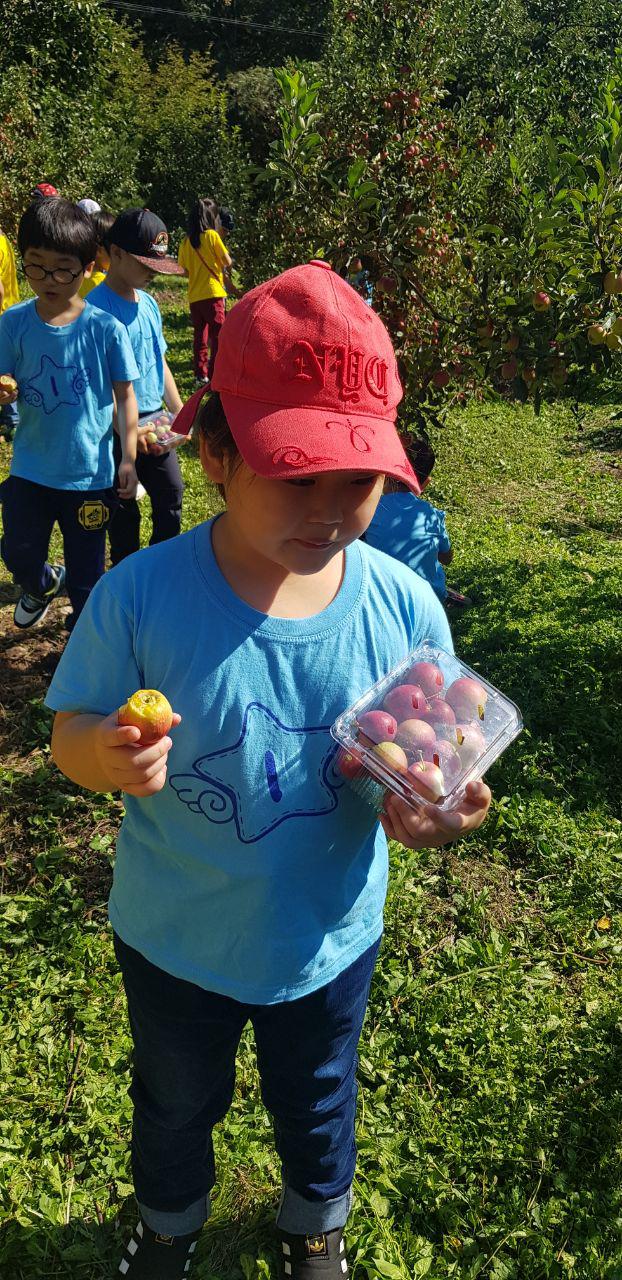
(300, 524)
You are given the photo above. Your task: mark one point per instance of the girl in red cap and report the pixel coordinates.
(250, 880)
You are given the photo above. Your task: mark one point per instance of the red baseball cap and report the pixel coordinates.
(308, 380)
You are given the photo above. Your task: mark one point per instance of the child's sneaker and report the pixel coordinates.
(320, 1257)
(456, 600)
(30, 609)
(150, 1256)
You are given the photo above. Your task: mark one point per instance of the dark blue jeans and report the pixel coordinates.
(185, 1043)
(160, 476)
(29, 512)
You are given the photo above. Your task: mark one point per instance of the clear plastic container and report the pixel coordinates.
(160, 424)
(424, 731)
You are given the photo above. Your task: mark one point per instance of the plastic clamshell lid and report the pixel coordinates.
(500, 724)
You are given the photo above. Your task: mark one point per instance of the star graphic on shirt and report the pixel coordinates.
(55, 385)
(272, 773)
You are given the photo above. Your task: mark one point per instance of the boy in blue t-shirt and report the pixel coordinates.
(70, 365)
(137, 244)
(250, 879)
(413, 530)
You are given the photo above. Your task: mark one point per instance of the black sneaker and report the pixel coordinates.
(151, 1256)
(321, 1257)
(30, 609)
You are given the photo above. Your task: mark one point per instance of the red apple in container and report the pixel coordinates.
(427, 779)
(415, 736)
(471, 743)
(392, 755)
(377, 726)
(404, 700)
(445, 756)
(348, 765)
(440, 715)
(428, 676)
(467, 698)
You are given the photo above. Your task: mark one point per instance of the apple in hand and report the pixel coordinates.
(150, 712)
(415, 736)
(470, 743)
(427, 779)
(428, 676)
(404, 699)
(392, 755)
(467, 698)
(377, 726)
(7, 383)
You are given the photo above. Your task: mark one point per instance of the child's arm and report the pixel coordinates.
(127, 426)
(422, 829)
(172, 398)
(101, 755)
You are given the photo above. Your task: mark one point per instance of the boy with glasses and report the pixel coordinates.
(65, 364)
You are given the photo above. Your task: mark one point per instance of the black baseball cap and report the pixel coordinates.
(144, 235)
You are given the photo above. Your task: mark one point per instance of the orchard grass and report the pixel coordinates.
(490, 1105)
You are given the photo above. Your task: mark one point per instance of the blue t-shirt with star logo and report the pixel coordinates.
(143, 323)
(256, 872)
(64, 374)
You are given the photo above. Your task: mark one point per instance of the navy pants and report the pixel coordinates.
(161, 477)
(29, 512)
(185, 1043)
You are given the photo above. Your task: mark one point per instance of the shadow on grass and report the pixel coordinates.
(92, 1251)
(551, 642)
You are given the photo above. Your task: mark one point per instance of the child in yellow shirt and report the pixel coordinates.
(206, 262)
(102, 223)
(9, 295)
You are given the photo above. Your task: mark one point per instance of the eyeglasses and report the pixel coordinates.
(62, 276)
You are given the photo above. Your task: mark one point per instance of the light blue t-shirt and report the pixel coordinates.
(413, 531)
(65, 375)
(256, 872)
(143, 322)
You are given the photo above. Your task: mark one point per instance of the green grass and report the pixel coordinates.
(491, 1102)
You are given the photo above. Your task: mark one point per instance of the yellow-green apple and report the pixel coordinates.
(404, 700)
(512, 343)
(428, 676)
(613, 341)
(149, 711)
(596, 335)
(540, 300)
(7, 383)
(427, 779)
(391, 754)
(529, 375)
(612, 282)
(377, 726)
(617, 326)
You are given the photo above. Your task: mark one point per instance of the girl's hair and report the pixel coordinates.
(59, 225)
(420, 454)
(102, 223)
(216, 432)
(203, 216)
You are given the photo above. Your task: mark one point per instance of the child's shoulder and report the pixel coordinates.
(20, 315)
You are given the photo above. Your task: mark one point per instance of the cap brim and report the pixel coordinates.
(281, 442)
(162, 266)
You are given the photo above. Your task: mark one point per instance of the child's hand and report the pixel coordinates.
(423, 829)
(128, 765)
(128, 481)
(8, 389)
